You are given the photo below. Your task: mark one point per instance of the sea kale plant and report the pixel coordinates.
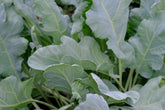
(82, 55)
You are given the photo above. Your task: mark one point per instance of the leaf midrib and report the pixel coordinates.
(145, 54)
(58, 27)
(9, 59)
(111, 20)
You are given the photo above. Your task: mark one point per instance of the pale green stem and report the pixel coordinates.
(36, 106)
(51, 106)
(36, 85)
(130, 84)
(135, 79)
(58, 94)
(120, 72)
(41, 92)
(121, 87)
(55, 94)
(129, 80)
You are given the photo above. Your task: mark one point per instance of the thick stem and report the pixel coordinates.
(120, 72)
(129, 80)
(102, 45)
(36, 106)
(26, 71)
(135, 79)
(36, 85)
(59, 98)
(51, 106)
(121, 87)
(41, 92)
(64, 99)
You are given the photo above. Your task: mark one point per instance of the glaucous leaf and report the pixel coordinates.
(152, 96)
(25, 9)
(61, 77)
(150, 45)
(144, 12)
(77, 16)
(53, 22)
(49, 22)
(79, 91)
(6, 2)
(158, 6)
(14, 93)
(117, 95)
(87, 53)
(160, 72)
(93, 102)
(12, 46)
(108, 20)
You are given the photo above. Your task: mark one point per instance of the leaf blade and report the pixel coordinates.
(10, 30)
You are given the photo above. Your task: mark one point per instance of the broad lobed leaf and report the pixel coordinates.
(93, 102)
(117, 95)
(149, 45)
(61, 77)
(49, 22)
(14, 93)
(86, 54)
(143, 12)
(12, 46)
(151, 96)
(77, 17)
(108, 20)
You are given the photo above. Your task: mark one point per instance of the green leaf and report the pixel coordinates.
(87, 54)
(53, 22)
(150, 45)
(6, 2)
(158, 6)
(37, 76)
(14, 93)
(152, 96)
(108, 19)
(77, 17)
(159, 72)
(117, 95)
(25, 9)
(93, 102)
(61, 77)
(138, 14)
(79, 91)
(12, 46)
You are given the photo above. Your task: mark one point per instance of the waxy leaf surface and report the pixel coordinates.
(61, 77)
(150, 45)
(53, 22)
(77, 17)
(12, 46)
(117, 95)
(108, 19)
(144, 12)
(152, 96)
(14, 93)
(49, 22)
(93, 102)
(87, 54)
